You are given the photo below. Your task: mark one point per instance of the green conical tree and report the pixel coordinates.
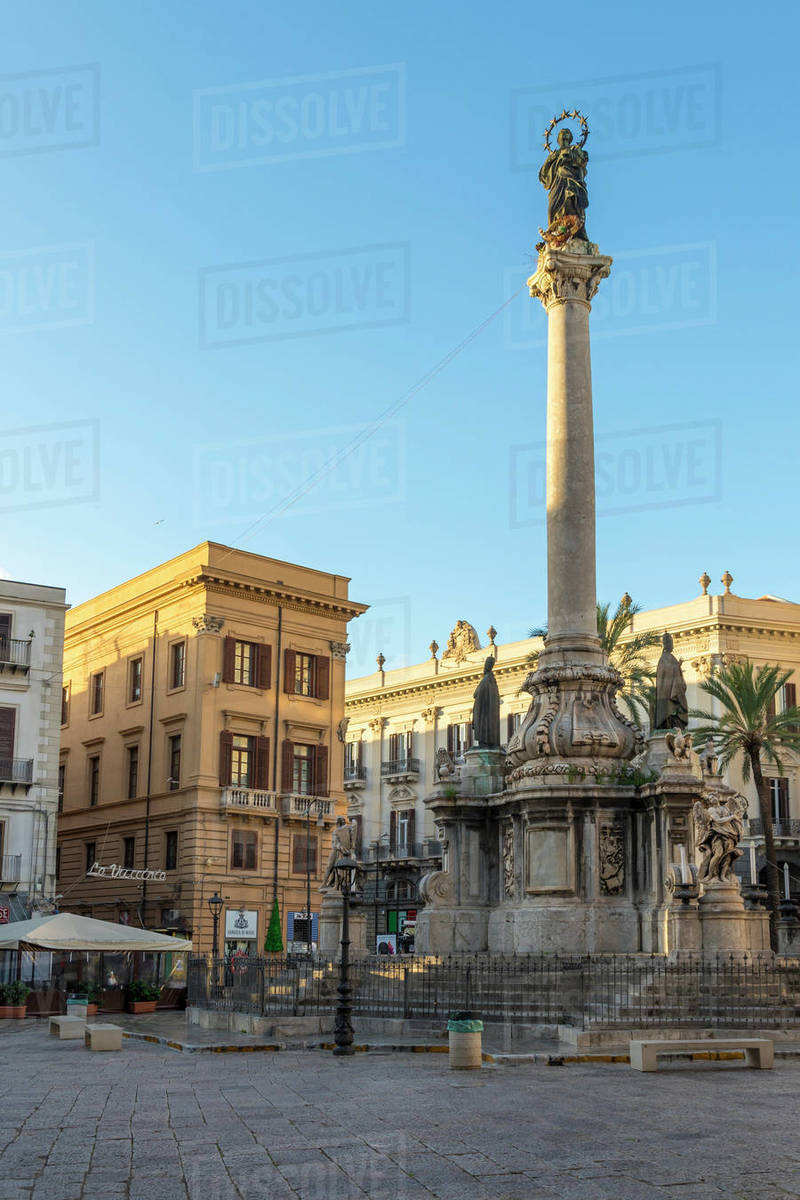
(273, 943)
(748, 727)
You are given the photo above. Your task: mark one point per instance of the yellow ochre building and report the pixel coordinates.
(201, 719)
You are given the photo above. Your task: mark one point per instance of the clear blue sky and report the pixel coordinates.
(208, 288)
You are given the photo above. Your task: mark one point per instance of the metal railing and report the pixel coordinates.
(10, 868)
(629, 991)
(786, 827)
(16, 770)
(387, 851)
(15, 652)
(400, 766)
(355, 774)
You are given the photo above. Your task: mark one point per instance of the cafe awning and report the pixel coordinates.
(68, 931)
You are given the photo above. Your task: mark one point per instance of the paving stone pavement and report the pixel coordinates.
(152, 1124)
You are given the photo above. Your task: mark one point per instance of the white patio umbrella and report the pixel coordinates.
(68, 931)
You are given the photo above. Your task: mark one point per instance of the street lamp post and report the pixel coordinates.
(215, 904)
(343, 1029)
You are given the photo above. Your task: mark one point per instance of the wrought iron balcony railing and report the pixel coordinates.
(10, 868)
(784, 828)
(400, 766)
(386, 851)
(16, 771)
(15, 654)
(355, 774)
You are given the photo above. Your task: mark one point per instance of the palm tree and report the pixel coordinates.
(627, 652)
(748, 727)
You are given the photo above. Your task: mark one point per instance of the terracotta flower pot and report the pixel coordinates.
(13, 1010)
(91, 1010)
(142, 1006)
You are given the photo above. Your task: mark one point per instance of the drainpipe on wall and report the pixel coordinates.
(149, 768)
(276, 751)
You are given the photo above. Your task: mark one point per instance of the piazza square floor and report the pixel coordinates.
(150, 1123)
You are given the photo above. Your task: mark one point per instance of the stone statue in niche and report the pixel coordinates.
(612, 860)
(670, 710)
(718, 820)
(486, 711)
(508, 861)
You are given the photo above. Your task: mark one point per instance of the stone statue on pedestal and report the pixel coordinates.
(563, 174)
(719, 825)
(671, 710)
(343, 845)
(486, 712)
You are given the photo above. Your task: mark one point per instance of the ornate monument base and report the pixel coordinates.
(726, 925)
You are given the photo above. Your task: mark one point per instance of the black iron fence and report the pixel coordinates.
(788, 827)
(627, 990)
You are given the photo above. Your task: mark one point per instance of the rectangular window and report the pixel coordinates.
(513, 722)
(177, 669)
(242, 763)
(62, 775)
(174, 762)
(459, 739)
(302, 864)
(244, 847)
(244, 663)
(402, 829)
(96, 694)
(94, 780)
(303, 770)
(90, 855)
(352, 757)
(65, 704)
(133, 772)
(400, 746)
(304, 675)
(135, 680)
(128, 852)
(171, 850)
(779, 798)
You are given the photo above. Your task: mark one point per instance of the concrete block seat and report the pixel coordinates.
(67, 1028)
(758, 1052)
(103, 1037)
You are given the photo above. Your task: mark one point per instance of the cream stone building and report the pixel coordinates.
(202, 708)
(398, 719)
(31, 645)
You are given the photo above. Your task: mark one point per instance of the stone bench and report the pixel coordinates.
(103, 1037)
(758, 1052)
(67, 1028)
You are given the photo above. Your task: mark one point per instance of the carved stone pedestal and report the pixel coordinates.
(483, 772)
(330, 924)
(726, 925)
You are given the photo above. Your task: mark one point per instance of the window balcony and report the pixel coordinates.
(786, 829)
(10, 868)
(242, 801)
(16, 773)
(384, 852)
(15, 656)
(297, 805)
(400, 770)
(355, 777)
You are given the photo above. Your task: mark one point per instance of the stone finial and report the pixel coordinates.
(626, 602)
(704, 581)
(491, 633)
(380, 660)
(726, 581)
(434, 648)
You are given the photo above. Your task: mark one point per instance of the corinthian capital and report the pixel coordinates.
(562, 275)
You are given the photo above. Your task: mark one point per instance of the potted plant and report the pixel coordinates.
(142, 996)
(13, 999)
(93, 991)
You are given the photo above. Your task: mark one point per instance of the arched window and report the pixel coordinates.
(401, 889)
